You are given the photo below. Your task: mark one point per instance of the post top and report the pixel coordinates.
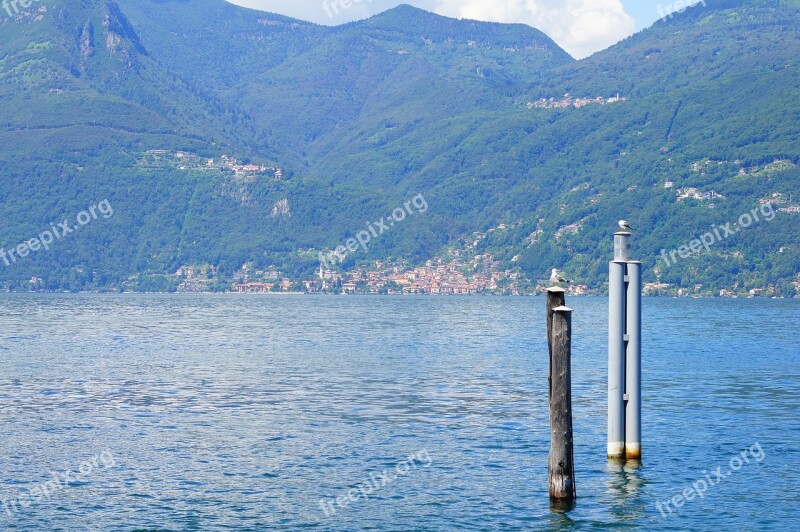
(562, 309)
(556, 289)
(622, 246)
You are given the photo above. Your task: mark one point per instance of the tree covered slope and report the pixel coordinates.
(493, 123)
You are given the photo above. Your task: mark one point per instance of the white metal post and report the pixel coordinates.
(633, 363)
(616, 359)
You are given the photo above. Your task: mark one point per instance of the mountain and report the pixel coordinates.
(494, 124)
(713, 105)
(305, 83)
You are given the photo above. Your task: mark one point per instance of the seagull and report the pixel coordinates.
(555, 278)
(625, 225)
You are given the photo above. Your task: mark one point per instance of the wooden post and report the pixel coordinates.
(561, 466)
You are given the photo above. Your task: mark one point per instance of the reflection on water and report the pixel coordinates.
(561, 507)
(226, 412)
(624, 482)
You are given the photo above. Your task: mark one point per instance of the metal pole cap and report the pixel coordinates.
(622, 246)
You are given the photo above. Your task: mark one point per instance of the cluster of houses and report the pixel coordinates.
(189, 161)
(693, 193)
(261, 287)
(249, 280)
(702, 167)
(195, 279)
(478, 276)
(778, 165)
(230, 163)
(460, 270)
(663, 289)
(779, 198)
(481, 276)
(568, 101)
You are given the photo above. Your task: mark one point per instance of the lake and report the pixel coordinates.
(221, 412)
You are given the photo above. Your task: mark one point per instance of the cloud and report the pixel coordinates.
(581, 27)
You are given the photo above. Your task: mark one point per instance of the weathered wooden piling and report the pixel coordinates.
(556, 297)
(561, 465)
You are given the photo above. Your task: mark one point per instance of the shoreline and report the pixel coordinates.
(311, 294)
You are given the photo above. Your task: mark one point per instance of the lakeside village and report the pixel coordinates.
(435, 278)
(478, 275)
(460, 270)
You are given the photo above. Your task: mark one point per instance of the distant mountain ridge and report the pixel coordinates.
(363, 116)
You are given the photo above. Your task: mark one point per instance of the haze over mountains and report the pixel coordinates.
(494, 124)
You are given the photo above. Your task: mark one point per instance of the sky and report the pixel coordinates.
(581, 27)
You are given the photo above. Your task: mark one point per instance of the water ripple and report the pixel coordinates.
(226, 412)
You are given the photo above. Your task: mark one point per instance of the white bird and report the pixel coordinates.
(555, 278)
(625, 225)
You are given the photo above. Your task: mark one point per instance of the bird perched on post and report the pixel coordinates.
(625, 225)
(556, 278)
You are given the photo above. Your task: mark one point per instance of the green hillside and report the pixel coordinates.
(494, 124)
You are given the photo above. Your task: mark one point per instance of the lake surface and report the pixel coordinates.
(231, 412)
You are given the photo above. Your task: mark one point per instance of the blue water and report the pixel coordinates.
(229, 412)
